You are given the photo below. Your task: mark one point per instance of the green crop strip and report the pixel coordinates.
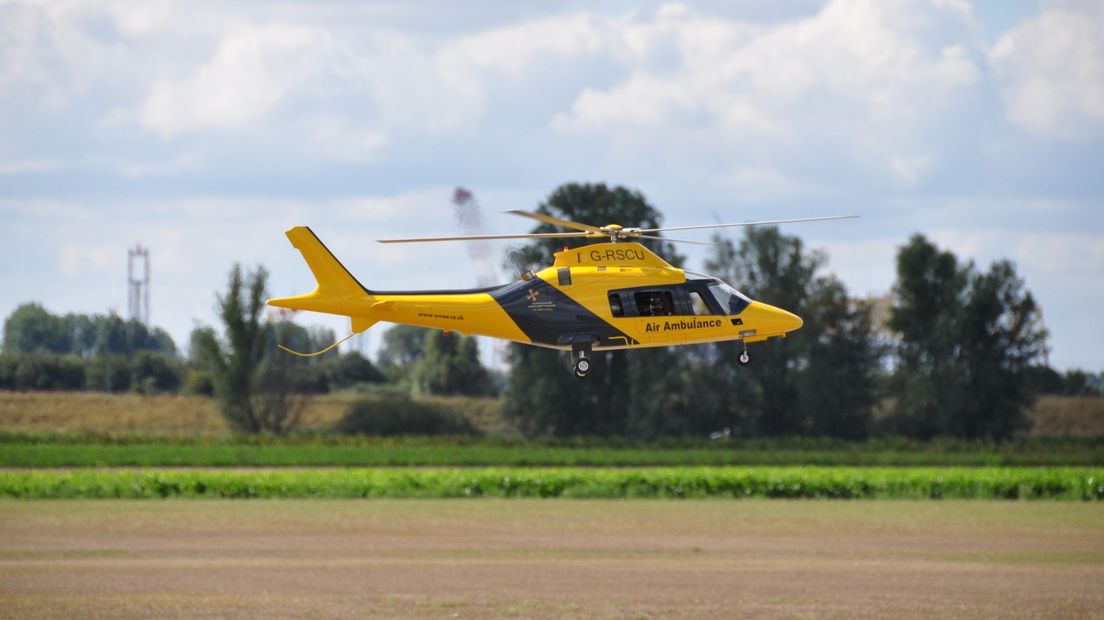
(666, 482)
(137, 451)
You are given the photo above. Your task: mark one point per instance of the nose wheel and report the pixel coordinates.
(744, 358)
(580, 353)
(582, 368)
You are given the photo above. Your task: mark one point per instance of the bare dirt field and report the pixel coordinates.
(550, 558)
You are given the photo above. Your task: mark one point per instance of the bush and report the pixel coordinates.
(107, 373)
(8, 363)
(399, 415)
(351, 369)
(152, 373)
(41, 371)
(199, 382)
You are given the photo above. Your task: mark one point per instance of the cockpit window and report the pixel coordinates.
(616, 309)
(731, 300)
(698, 307)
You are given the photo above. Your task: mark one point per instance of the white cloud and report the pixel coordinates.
(856, 64)
(253, 71)
(867, 265)
(1052, 71)
(909, 169)
(74, 259)
(513, 50)
(1075, 255)
(298, 85)
(755, 184)
(642, 100)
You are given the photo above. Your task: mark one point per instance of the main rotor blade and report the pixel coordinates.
(558, 235)
(761, 223)
(677, 240)
(555, 221)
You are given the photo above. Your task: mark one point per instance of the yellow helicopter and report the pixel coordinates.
(599, 297)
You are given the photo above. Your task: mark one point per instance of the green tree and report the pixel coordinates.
(1002, 335)
(451, 366)
(1077, 382)
(282, 384)
(403, 347)
(252, 386)
(617, 398)
(30, 328)
(928, 302)
(820, 380)
(769, 266)
(841, 381)
(83, 333)
(474, 379)
(112, 335)
(1042, 379)
(33, 329)
(967, 343)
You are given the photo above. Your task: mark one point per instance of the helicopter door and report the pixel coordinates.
(682, 315)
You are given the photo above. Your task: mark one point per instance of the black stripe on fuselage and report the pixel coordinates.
(453, 291)
(549, 317)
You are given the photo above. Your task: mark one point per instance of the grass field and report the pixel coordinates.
(669, 482)
(538, 559)
(99, 412)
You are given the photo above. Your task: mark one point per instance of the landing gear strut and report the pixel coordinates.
(580, 353)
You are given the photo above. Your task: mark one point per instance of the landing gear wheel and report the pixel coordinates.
(582, 367)
(580, 353)
(744, 358)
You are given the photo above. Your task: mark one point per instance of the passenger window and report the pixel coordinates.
(654, 303)
(615, 305)
(697, 304)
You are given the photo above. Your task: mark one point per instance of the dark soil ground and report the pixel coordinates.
(550, 559)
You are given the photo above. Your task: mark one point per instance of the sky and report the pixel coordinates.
(203, 130)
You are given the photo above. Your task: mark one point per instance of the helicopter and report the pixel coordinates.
(614, 294)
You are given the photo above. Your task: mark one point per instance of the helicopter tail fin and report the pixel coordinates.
(338, 292)
(333, 278)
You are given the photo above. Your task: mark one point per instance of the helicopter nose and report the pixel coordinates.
(769, 319)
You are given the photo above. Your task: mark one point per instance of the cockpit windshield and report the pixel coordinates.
(731, 300)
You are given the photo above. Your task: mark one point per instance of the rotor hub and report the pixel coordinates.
(617, 232)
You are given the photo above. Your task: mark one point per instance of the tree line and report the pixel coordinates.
(40, 352)
(959, 352)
